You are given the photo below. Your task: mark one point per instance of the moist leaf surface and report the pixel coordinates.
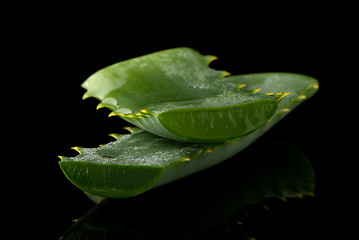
(139, 161)
(141, 149)
(171, 92)
(193, 206)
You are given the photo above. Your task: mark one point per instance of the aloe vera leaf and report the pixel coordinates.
(194, 206)
(139, 161)
(174, 94)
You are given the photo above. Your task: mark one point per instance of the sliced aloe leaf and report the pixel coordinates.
(174, 94)
(195, 205)
(139, 161)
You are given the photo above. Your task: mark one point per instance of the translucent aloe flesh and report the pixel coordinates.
(174, 94)
(139, 161)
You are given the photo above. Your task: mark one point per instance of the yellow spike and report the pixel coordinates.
(208, 151)
(239, 223)
(240, 85)
(286, 110)
(302, 97)
(283, 95)
(211, 58)
(100, 105)
(76, 149)
(114, 135)
(269, 93)
(298, 195)
(282, 198)
(186, 159)
(141, 115)
(311, 194)
(61, 157)
(117, 114)
(129, 129)
(85, 96)
(316, 86)
(147, 112)
(256, 90)
(75, 220)
(225, 74)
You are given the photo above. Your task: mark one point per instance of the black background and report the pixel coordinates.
(53, 58)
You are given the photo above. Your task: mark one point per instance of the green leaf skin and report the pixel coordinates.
(194, 206)
(172, 92)
(139, 161)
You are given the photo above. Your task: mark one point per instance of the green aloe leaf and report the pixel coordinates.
(174, 94)
(195, 205)
(139, 161)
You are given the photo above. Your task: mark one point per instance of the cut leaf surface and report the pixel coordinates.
(200, 125)
(139, 161)
(171, 92)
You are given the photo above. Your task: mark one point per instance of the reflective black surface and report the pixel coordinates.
(194, 207)
(60, 58)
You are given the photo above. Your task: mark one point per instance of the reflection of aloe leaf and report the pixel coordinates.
(139, 161)
(189, 208)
